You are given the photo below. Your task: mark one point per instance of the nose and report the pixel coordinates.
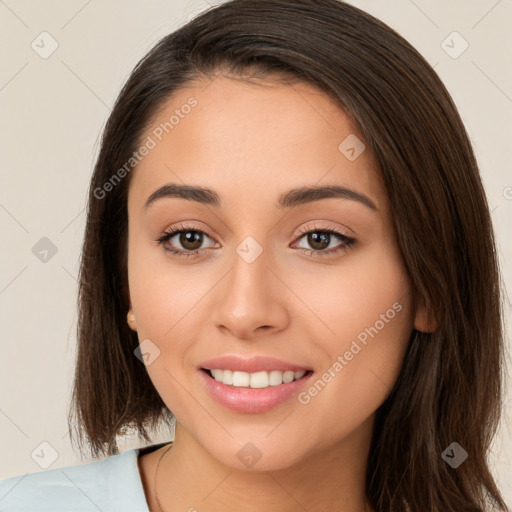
(252, 300)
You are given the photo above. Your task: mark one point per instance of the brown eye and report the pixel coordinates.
(319, 239)
(188, 240)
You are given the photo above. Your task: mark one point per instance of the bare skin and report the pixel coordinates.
(250, 144)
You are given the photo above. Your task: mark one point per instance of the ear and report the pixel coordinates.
(424, 320)
(130, 318)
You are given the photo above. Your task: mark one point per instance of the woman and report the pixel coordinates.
(288, 250)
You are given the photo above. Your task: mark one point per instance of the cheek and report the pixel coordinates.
(163, 298)
(368, 310)
(168, 299)
(345, 300)
(161, 290)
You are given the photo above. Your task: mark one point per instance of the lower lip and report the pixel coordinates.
(252, 400)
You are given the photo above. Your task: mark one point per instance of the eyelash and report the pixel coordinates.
(347, 241)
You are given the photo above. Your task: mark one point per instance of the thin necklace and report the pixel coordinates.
(156, 473)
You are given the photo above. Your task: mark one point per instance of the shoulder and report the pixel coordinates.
(111, 484)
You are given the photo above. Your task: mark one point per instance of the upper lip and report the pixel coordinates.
(252, 364)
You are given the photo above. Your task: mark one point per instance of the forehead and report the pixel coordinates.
(253, 138)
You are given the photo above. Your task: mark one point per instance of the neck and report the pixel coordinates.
(189, 478)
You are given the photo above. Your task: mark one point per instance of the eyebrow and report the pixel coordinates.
(292, 198)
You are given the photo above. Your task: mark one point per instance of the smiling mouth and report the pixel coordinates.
(256, 380)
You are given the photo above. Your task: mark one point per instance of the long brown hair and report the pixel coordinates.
(450, 386)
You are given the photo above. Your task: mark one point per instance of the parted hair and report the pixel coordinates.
(451, 383)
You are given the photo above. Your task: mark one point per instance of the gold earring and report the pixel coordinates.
(130, 318)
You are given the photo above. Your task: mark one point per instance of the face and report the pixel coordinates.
(298, 302)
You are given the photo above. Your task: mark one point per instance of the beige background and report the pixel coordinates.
(53, 111)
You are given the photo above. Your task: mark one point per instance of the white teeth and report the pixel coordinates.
(227, 377)
(259, 380)
(255, 380)
(217, 374)
(288, 376)
(275, 378)
(240, 379)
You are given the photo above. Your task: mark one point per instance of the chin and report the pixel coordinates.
(259, 455)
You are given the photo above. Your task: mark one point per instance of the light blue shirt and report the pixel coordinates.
(112, 484)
